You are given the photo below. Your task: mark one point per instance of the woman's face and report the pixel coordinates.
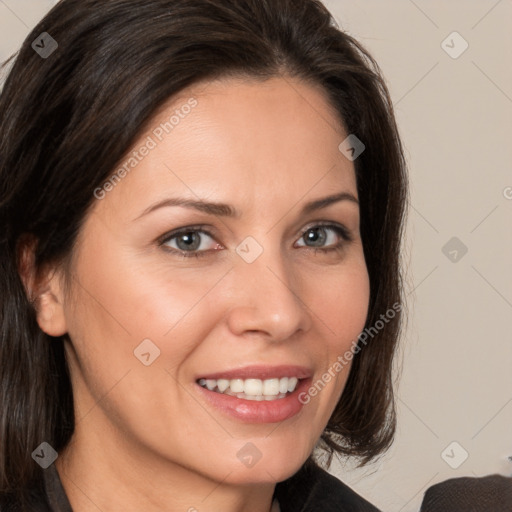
(260, 294)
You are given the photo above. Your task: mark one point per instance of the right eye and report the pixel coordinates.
(188, 242)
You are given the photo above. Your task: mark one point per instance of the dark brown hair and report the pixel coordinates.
(68, 119)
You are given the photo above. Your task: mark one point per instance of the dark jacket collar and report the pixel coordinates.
(312, 489)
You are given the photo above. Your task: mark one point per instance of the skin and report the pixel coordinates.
(145, 439)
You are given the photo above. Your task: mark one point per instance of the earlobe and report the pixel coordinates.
(43, 290)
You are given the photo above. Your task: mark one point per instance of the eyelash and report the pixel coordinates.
(339, 230)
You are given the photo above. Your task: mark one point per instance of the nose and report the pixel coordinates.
(267, 299)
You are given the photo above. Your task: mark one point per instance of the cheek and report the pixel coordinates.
(126, 297)
(353, 298)
(342, 305)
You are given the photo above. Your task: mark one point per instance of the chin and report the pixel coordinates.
(271, 470)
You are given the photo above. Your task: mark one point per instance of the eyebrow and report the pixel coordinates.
(226, 210)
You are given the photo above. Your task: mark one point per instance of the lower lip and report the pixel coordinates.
(252, 411)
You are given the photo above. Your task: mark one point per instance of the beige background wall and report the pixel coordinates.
(455, 116)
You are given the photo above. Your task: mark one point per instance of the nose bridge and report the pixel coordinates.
(266, 292)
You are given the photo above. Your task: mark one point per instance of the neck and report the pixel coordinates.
(116, 475)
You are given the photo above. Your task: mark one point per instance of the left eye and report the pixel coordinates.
(188, 241)
(317, 235)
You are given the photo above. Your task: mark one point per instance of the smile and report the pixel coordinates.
(252, 389)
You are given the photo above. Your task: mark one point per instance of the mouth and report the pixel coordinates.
(252, 389)
(256, 394)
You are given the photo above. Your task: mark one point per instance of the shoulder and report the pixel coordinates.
(313, 489)
(492, 492)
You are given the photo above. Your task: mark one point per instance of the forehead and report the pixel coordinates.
(239, 140)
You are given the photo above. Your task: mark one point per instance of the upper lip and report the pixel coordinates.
(261, 372)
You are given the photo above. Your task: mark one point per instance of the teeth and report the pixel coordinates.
(236, 385)
(292, 383)
(252, 389)
(223, 384)
(271, 387)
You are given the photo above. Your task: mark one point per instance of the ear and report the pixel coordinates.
(43, 288)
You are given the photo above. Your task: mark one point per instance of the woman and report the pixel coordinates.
(202, 204)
